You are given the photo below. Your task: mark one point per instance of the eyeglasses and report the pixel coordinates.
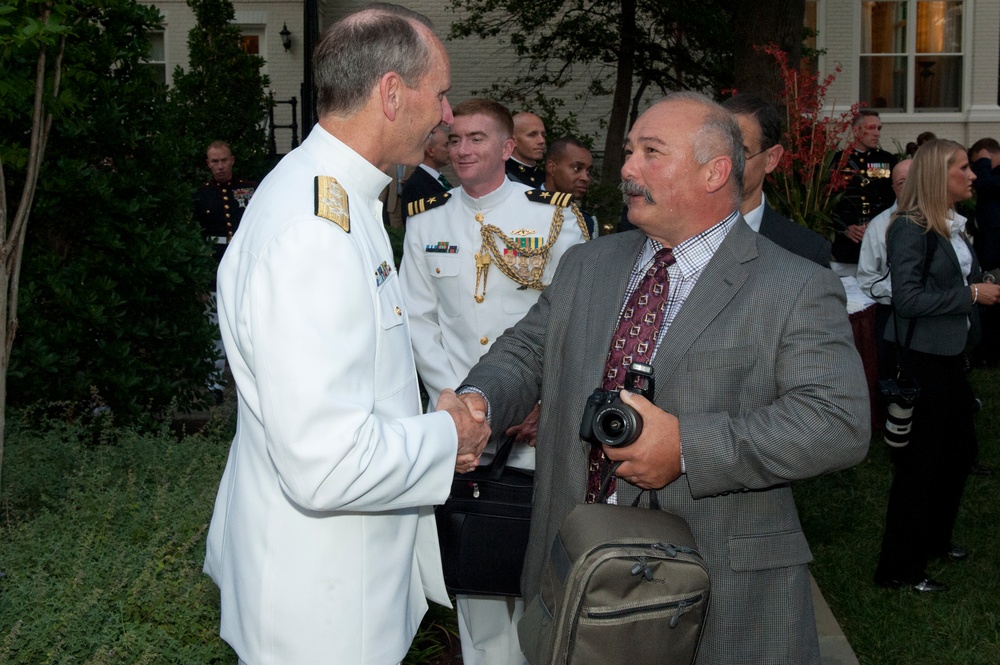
(748, 156)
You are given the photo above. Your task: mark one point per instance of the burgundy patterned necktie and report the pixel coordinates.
(633, 341)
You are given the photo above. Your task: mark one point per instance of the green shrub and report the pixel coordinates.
(101, 547)
(221, 95)
(113, 285)
(107, 568)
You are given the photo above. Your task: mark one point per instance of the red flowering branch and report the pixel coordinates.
(806, 183)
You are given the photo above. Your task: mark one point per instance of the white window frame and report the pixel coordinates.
(910, 110)
(160, 63)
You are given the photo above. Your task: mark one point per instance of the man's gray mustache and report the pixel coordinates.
(630, 188)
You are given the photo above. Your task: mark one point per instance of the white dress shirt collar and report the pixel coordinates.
(756, 216)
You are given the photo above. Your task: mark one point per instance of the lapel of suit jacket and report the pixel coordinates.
(721, 280)
(612, 267)
(944, 244)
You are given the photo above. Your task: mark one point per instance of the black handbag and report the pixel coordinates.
(483, 528)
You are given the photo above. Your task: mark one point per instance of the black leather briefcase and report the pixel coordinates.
(483, 528)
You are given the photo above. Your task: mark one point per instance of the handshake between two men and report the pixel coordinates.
(470, 421)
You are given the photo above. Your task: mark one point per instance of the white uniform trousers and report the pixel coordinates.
(487, 626)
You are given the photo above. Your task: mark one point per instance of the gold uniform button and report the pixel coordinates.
(484, 340)
(399, 312)
(437, 270)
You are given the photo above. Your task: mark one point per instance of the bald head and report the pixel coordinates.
(529, 138)
(900, 173)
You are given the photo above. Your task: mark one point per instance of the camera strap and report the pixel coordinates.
(929, 247)
(602, 495)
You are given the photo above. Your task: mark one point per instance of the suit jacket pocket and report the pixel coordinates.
(768, 550)
(729, 358)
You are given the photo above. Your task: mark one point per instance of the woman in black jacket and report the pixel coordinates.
(936, 288)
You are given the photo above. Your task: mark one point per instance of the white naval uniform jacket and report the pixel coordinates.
(450, 330)
(323, 541)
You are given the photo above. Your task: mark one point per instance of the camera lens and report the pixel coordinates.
(613, 425)
(617, 425)
(898, 424)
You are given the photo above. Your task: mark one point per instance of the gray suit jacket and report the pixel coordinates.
(795, 238)
(760, 367)
(945, 320)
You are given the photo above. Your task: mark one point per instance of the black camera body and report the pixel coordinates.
(609, 421)
(900, 394)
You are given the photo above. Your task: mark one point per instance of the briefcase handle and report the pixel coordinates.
(499, 463)
(602, 496)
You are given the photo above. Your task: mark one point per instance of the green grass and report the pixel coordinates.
(101, 547)
(843, 515)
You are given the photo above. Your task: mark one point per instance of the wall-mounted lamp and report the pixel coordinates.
(286, 38)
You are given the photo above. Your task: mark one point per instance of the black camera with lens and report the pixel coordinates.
(609, 421)
(900, 394)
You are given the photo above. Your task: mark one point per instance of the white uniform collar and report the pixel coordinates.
(353, 171)
(491, 200)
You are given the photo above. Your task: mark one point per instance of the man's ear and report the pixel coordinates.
(390, 88)
(718, 171)
(773, 155)
(508, 149)
(550, 166)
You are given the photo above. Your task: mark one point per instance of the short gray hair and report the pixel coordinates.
(719, 134)
(358, 50)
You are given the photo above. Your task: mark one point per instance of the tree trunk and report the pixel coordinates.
(12, 237)
(758, 23)
(613, 158)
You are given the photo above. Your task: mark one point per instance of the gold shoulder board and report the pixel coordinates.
(331, 202)
(423, 205)
(561, 199)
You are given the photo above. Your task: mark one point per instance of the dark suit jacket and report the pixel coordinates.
(945, 320)
(419, 185)
(987, 186)
(759, 366)
(795, 238)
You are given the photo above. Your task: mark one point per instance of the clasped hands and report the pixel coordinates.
(469, 413)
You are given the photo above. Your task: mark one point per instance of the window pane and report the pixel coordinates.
(250, 44)
(883, 82)
(156, 51)
(938, 85)
(883, 27)
(939, 27)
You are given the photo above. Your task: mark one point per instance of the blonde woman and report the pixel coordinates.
(936, 292)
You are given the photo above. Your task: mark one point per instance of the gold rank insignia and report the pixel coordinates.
(423, 205)
(560, 199)
(331, 202)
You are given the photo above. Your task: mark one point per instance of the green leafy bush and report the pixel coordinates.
(221, 95)
(102, 547)
(114, 272)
